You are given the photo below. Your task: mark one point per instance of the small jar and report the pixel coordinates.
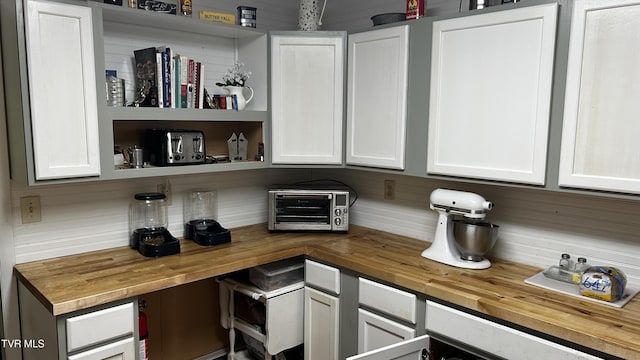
(581, 265)
(148, 216)
(565, 261)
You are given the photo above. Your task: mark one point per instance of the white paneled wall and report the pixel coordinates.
(536, 226)
(78, 218)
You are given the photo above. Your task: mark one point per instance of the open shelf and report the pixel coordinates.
(151, 19)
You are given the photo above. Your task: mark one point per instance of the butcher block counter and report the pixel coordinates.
(81, 281)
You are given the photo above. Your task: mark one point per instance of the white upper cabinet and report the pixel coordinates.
(62, 90)
(600, 147)
(377, 97)
(489, 110)
(307, 80)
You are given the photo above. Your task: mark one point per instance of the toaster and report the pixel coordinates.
(166, 147)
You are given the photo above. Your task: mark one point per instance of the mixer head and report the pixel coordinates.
(455, 202)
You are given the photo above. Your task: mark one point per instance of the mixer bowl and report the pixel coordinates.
(474, 239)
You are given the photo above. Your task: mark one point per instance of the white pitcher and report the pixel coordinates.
(238, 91)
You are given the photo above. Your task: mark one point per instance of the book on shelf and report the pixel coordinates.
(198, 87)
(175, 82)
(146, 75)
(225, 102)
(159, 76)
(196, 84)
(165, 55)
(184, 74)
(190, 83)
(201, 87)
(170, 80)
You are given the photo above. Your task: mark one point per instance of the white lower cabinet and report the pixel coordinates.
(384, 315)
(321, 312)
(119, 350)
(375, 331)
(413, 349)
(102, 332)
(493, 338)
(321, 321)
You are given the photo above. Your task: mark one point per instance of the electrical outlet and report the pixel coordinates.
(30, 209)
(389, 189)
(166, 190)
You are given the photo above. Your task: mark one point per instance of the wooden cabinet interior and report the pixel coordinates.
(128, 133)
(184, 321)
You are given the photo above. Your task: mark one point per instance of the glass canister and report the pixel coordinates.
(148, 219)
(200, 212)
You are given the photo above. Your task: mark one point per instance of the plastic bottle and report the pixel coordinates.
(581, 265)
(565, 261)
(578, 268)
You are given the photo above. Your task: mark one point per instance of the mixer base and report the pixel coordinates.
(450, 259)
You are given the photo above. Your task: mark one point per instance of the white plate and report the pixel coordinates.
(574, 290)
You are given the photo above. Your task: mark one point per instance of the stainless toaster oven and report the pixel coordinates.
(308, 209)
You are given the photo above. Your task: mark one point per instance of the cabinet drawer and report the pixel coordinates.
(392, 301)
(95, 327)
(505, 342)
(123, 349)
(322, 276)
(375, 331)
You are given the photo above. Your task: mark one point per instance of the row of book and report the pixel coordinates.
(169, 80)
(224, 102)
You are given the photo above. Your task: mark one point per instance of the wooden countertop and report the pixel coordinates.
(80, 281)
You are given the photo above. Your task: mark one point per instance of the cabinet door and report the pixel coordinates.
(321, 320)
(414, 349)
(375, 331)
(119, 350)
(491, 77)
(377, 97)
(600, 147)
(307, 98)
(505, 342)
(62, 88)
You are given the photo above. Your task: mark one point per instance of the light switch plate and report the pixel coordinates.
(30, 209)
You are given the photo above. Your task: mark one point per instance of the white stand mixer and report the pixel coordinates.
(448, 203)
